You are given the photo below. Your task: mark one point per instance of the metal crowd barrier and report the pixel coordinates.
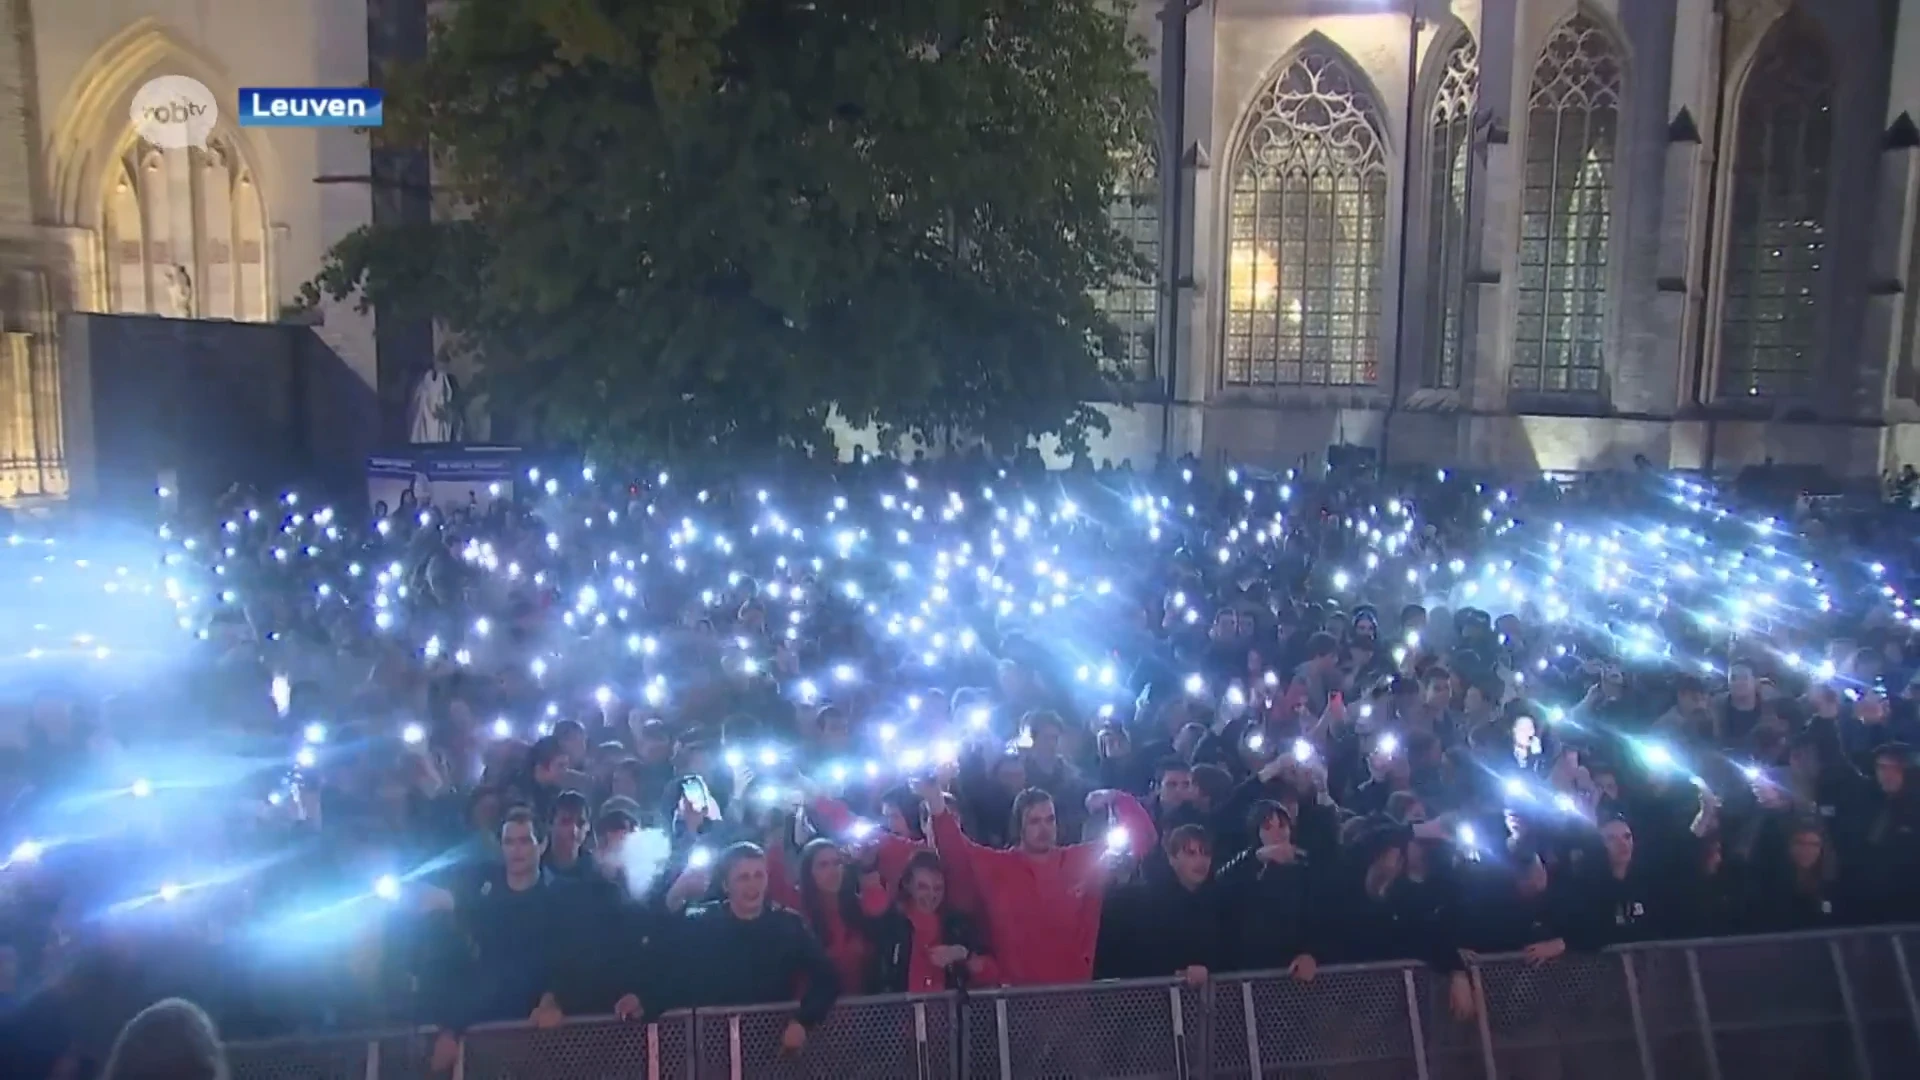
(1796, 1005)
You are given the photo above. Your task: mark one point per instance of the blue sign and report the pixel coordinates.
(313, 106)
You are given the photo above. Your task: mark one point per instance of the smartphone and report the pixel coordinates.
(694, 790)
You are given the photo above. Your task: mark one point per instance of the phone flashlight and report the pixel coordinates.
(699, 859)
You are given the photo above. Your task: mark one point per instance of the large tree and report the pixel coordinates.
(686, 223)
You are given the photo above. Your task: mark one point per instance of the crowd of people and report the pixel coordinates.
(592, 745)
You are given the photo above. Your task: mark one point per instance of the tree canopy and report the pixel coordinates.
(689, 223)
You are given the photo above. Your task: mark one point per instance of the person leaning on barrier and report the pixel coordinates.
(604, 957)
(1172, 923)
(922, 945)
(1042, 900)
(1270, 896)
(744, 950)
(507, 973)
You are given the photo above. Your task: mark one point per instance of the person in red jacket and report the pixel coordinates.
(839, 911)
(1041, 900)
(924, 945)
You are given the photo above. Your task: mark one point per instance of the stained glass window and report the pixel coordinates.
(1777, 218)
(1566, 219)
(1308, 224)
(1449, 174)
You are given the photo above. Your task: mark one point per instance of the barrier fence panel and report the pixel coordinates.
(1138, 1030)
(1570, 1018)
(1776, 1009)
(341, 1058)
(895, 1038)
(603, 1046)
(1352, 1022)
(1790, 1006)
(1675, 1040)
(1888, 1024)
(403, 1055)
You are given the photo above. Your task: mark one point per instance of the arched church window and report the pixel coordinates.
(185, 234)
(1777, 217)
(1566, 220)
(1449, 176)
(1308, 224)
(1129, 301)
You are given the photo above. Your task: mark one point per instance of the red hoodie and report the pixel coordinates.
(1042, 911)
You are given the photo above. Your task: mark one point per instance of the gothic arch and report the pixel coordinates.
(1246, 115)
(1448, 110)
(1305, 220)
(90, 140)
(1572, 149)
(1774, 285)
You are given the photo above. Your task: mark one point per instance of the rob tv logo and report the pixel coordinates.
(353, 107)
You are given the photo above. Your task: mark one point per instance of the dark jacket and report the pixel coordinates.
(604, 948)
(509, 952)
(1157, 927)
(1270, 910)
(892, 936)
(726, 960)
(1605, 910)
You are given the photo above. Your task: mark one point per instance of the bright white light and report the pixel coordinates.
(282, 693)
(27, 851)
(141, 789)
(979, 716)
(699, 859)
(1465, 835)
(413, 734)
(1196, 684)
(1565, 804)
(843, 673)
(502, 728)
(1118, 838)
(1657, 755)
(1514, 788)
(387, 887)
(1340, 580)
(1389, 744)
(1302, 750)
(306, 758)
(316, 733)
(170, 892)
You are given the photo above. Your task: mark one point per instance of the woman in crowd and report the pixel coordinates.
(923, 945)
(839, 908)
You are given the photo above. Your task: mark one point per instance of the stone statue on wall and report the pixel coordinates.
(432, 416)
(179, 291)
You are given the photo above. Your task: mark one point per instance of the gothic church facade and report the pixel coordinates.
(1553, 234)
